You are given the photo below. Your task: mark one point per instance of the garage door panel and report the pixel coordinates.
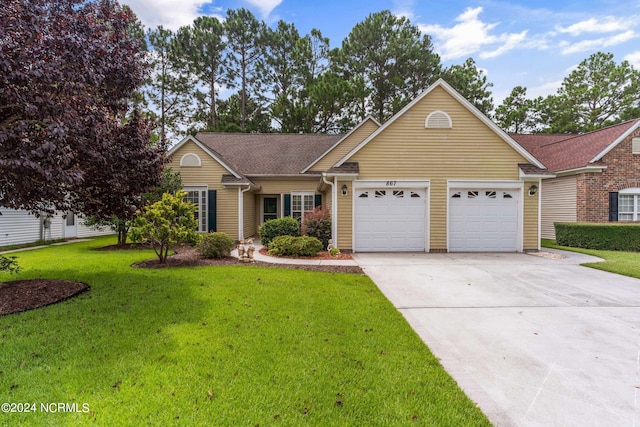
(390, 220)
(483, 220)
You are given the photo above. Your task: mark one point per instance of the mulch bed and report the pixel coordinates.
(22, 295)
(189, 257)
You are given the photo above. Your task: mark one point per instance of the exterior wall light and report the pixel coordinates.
(344, 189)
(533, 190)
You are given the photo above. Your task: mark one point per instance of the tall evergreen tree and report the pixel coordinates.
(245, 52)
(471, 82)
(169, 88)
(388, 62)
(230, 116)
(597, 93)
(515, 114)
(202, 47)
(284, 75)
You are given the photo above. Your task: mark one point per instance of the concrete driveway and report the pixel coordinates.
(533, 341)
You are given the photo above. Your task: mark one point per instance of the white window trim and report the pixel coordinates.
(203, 201)
(302, 194)
(635, 214)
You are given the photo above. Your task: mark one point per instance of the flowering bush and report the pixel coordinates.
(318, 224)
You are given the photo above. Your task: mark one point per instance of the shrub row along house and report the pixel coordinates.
(438, 176)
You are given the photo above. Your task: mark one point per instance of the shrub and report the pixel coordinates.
(610, 236)
(165, 224)
(278, 227)
(216, 245)
(9, 264)
(334, 252)
(295, 246)
(318, 224)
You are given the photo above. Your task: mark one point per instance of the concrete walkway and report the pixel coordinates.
(533, 341)
(276, 260)
(45, 246)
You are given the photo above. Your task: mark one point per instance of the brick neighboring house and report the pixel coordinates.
(597, 175)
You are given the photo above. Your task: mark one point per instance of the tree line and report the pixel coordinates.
(287, 82)
(283, 81)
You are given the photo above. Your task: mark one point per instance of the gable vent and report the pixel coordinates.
(635, 149)
(190, 160)
(438, 120)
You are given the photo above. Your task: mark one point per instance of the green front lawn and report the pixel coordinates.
(625, 263)
(224, 346)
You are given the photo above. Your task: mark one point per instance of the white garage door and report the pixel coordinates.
(483, 220)
(390, 220)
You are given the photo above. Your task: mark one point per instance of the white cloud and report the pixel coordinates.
(510, 41)
(595, 44)
(265, 6)
(171, 14)
(404, 8)
(634, 59)
(471, 35)
(544, 89)
(607, 24)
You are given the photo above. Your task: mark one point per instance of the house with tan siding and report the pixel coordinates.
(597, 175)
(438, 176)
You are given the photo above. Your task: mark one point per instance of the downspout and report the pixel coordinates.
(241, 211)
(334, 210)
(540, 213)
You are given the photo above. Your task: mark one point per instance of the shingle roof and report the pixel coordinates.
(347, 167)
(268, 154)
(529, 169)
(565, 152)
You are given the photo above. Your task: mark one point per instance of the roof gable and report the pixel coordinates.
(570, 151)
(216, 156)
(360, 131)
(466, 104)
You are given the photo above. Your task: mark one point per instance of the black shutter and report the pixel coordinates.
(287, 205)
(318, 200)
(613, 206)
(211, 211)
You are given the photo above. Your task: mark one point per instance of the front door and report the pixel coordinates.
(269, 208)
(70, 226)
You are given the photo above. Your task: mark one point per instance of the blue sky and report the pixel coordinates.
(527, 43)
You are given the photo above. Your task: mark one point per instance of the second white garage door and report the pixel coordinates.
(390, 220)
(483, 220)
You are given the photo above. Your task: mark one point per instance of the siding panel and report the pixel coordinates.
(559, 201)
(348, 144)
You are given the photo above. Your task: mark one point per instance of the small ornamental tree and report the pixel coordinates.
(165, 224)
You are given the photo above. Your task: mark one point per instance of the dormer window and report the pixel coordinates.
(438, 120)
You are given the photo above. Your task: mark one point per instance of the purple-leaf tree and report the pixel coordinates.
(68, 138)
